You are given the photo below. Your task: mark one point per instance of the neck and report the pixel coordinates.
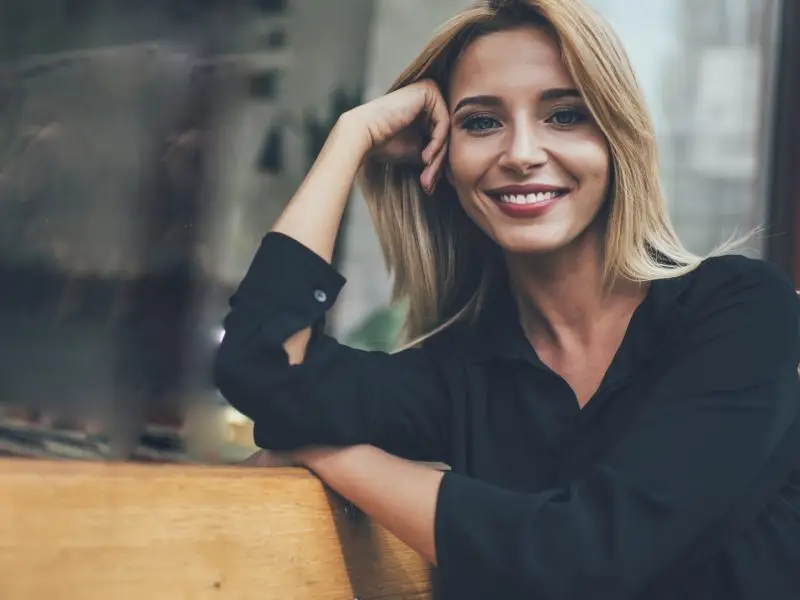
(561, 296)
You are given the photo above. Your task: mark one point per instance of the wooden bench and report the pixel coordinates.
(85, 531)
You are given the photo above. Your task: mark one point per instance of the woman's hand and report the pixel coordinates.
(398, 494)
(269, 459)
(306, 457)
(410, 125)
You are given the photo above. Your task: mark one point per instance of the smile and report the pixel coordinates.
(527, 202)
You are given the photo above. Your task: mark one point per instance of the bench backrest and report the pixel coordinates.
(76, 531)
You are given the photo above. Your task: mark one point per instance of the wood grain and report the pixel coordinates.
(86, 531)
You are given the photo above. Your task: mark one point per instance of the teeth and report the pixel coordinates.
(530, 198)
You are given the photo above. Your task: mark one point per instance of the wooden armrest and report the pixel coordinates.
(84, 531)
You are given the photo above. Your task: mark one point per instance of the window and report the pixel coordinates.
(264, 85)
(704, 66)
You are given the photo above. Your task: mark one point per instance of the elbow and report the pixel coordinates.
(257, 380)
(277, 426)
(253, 386)
(222, 370)
(233, 381)
(226, 378)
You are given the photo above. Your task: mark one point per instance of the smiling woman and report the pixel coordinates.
(539, 81)
(534, 124)
(616, 411)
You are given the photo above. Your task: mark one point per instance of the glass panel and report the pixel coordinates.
(146, 148)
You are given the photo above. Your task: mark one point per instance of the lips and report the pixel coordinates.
(527, 201)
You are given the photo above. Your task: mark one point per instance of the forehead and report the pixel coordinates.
(518, 59)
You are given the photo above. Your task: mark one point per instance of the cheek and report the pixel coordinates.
(467, 163)
(463, 171)
(591, 161)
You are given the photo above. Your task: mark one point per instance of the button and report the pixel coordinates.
(320, 296)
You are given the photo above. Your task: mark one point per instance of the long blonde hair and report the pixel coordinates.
(442, 264)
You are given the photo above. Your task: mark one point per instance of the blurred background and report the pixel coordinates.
(146, 147)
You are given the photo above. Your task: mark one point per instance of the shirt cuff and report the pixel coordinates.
(456, 503)
(478, 527)
(290, 285)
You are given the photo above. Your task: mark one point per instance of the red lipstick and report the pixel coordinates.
(527, 201)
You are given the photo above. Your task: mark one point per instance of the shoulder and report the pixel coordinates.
(735, 267)
(451, 348)
(738, 281)
(447, 343)
(745, 309)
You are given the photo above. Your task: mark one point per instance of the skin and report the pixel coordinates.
(525, 133)
(519, 119)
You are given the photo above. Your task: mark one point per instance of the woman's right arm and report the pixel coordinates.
(314, 214)
(275, 365)
(387, 125)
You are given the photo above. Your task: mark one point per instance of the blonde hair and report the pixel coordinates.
(442, 264)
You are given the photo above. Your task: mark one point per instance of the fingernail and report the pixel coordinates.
(435, 181)
(432, 184)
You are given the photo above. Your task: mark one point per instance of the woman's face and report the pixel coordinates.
(529, 164)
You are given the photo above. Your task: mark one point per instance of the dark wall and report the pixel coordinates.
(784, 230)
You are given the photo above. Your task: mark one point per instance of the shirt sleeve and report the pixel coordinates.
(708, 426)
(338, 396)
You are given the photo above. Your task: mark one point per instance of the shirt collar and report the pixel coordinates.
(498, 335)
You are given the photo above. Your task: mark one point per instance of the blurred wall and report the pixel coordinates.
(326, 52)
(132, 194)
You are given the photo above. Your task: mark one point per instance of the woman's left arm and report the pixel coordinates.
(397, 493)
(709, 426)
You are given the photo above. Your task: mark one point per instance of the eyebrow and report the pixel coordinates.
(547, 96)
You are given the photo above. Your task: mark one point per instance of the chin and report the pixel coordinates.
(532, 239)
(547, 236)
(531, 246)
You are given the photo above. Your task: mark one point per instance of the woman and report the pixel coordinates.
(612, 408)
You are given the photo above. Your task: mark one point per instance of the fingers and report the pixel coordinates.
(401, 149)
(438, 166)
(264, 458)
(430, 176)
(435, 152)
(411, 115)
(439, 117)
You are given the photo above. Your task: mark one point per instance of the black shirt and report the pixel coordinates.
(545, 500)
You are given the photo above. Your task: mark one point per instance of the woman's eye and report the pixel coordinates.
(567, 117)
(479, 123)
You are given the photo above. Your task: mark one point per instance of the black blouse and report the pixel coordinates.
(545, 500)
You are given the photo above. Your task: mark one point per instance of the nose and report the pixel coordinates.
(525, 150)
